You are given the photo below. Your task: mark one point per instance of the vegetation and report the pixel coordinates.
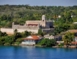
(40, 32)
(68, 38)
(60, 28)
(61, 45)
(47, 42)
(21, 13)
(74, 26)
(14, 39)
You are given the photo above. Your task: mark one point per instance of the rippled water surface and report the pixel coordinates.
(10, 52)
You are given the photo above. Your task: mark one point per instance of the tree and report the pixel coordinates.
(15, 31)
(0, 33)
(68, 17)
(26, 33)
(40, 32)
(74, 26)
(47, 42)
(61, 27)
(3, 33)
(8, 40)
(68, 38)
(17, 35)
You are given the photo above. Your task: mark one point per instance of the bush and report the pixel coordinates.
(7, 44)
(61, 45)
(17, 43)
(47, 42)
(19, 40)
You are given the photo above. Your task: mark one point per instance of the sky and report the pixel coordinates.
(40, 2)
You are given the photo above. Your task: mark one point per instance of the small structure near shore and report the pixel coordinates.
(31, 40)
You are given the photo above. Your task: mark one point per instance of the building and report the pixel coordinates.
(49, 36)
(59, 16)
(35, 25)
(75, 39)
(31, 26)
(31, 40)
(74, 22)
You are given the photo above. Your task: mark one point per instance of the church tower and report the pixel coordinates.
(43, 21)
(43, 17)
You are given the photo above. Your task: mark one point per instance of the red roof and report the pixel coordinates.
(33, 37)
(32, 24)
(74, 43)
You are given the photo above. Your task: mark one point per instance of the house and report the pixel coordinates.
(74, 43)
(58, 39)
(31, 40)
(75, 39)
(59, 16)
(75, 23)
(49, 36)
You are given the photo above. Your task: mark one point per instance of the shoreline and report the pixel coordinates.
(72, 46)
(50, 47)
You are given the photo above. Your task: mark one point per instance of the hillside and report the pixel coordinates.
(21, 13)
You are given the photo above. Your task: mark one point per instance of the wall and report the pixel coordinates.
(7, 30)
(11, 31)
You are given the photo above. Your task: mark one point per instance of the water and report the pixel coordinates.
(10, 52)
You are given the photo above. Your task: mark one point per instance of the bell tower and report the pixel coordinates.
(43, 17)
(43, 21)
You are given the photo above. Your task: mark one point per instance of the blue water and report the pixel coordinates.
(10, 52)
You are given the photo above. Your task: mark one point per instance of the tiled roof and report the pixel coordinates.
(32, 37)
(32, 24)
(74, 43)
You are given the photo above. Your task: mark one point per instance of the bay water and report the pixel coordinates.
(12, 52)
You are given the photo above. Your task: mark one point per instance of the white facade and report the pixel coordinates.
(59, 16)
(75, 39)
(49, 36)
(75, 23)
(43, 17)
(28, 42)
(11, 31)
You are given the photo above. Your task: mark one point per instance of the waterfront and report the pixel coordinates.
(10, 52)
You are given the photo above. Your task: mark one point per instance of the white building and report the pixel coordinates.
(31, 40)
(49, 36)
(75, 39)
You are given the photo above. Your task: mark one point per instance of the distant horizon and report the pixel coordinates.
(40, 2)
(35, 5)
